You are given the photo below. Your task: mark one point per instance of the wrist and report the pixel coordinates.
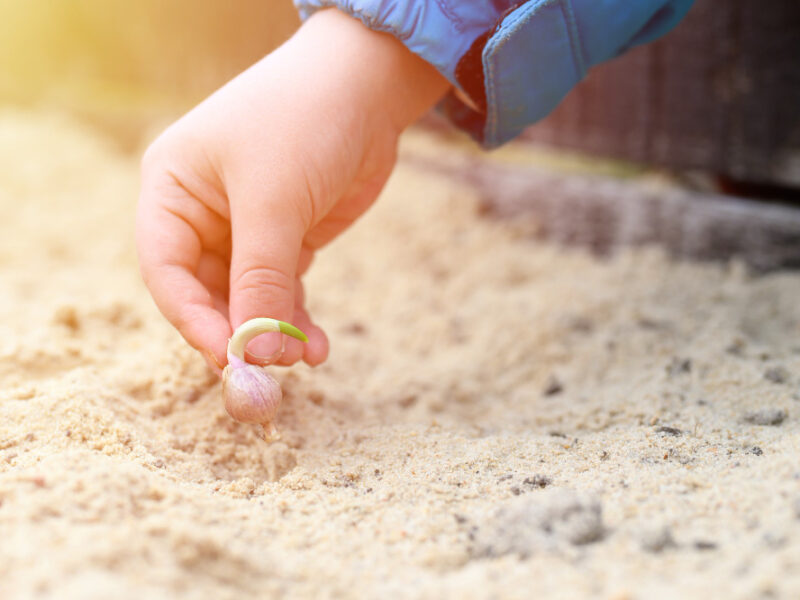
(386, 77)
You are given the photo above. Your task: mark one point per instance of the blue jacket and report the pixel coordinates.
(514, 59)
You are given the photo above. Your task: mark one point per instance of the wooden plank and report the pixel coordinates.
(604, 214)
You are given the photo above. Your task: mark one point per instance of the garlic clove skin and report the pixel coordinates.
(251, 394)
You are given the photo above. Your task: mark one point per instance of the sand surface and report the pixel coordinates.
(499, 418)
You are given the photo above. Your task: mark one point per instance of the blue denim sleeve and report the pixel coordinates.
(514, 60)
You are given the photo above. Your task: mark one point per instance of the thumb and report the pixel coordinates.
(267, 237)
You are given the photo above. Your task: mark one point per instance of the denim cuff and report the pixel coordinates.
(541, 49)
(440, 31)
(515, 60)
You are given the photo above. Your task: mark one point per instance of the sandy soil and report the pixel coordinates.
(499, 418)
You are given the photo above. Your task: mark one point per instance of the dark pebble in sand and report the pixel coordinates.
(355, 328)
(657, 540)
(777, 375)
(669, 430)
(756, 450)
(736, 347)
(679, 366)
(553, 386)
(407, 401)
(581, 324)
(705, 545)
(316, 397)
(539, 481)
(765, 416)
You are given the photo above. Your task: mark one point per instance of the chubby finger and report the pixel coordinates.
(315, 352)
(267, 237)
(213, 273)
(305, 260)
(295, 350)
(169, 250)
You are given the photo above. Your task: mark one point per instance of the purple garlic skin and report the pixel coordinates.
(251, 394)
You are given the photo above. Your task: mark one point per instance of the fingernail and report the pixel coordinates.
(266, 348)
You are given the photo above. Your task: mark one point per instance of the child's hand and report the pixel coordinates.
(239, 193)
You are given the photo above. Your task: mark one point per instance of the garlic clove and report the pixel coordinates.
(251, 394)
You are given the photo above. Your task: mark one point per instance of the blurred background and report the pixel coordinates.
(720, 93)
(130, 66)
(715, 105)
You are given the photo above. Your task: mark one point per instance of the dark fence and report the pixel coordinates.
(721, 93)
